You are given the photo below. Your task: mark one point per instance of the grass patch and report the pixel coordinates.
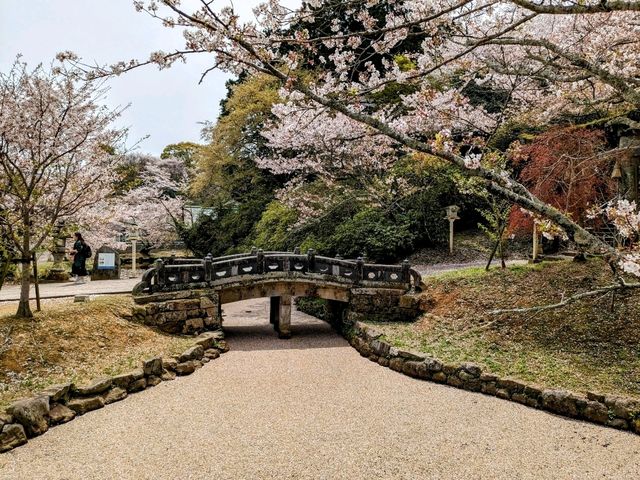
(74, 342)
(587, 346)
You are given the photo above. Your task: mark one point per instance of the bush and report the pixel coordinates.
(371, 233)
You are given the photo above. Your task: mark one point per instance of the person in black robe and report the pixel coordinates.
(78, 268)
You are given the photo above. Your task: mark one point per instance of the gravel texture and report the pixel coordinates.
(11, 293)
(311, 407)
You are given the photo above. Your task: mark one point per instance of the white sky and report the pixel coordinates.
(166, 105)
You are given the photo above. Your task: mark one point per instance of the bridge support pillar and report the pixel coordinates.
(280, 315)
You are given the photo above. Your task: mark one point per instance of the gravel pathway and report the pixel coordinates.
(311, 407)
(10, 293)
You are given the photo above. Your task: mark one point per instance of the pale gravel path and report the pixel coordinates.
(10, 293)
(311, 407)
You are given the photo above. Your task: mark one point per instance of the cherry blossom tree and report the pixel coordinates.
(154, 203)
(545, 59)
(55, 159)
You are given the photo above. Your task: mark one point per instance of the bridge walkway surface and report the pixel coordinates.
(310, 408)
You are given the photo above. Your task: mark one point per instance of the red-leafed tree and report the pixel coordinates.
(567, 168)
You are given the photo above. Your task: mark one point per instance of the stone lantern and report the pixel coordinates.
(452, 216)
(58, 251)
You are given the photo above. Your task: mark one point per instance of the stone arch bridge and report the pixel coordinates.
(186, 295)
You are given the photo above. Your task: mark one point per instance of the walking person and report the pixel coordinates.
(81, 251)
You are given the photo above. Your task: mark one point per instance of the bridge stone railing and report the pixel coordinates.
(188, 274)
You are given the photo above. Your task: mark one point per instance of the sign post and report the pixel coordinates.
(134, 236)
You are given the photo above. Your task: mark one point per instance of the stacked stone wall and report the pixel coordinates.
(187, 312)
(31, 417)
(612, 411)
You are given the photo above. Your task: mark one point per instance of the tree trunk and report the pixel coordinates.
(24, 309)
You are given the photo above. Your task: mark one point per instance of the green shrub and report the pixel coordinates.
(371, 233)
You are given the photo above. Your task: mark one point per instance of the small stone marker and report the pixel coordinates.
(83, 298)
(106, 264)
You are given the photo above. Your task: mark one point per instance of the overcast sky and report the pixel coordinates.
(166, 105)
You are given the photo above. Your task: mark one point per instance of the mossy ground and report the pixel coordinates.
(74, 342)
(592, 345)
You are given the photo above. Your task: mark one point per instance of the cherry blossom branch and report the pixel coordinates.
(602, 6)
(569, 300)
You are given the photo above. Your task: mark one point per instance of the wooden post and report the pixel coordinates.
(534, 256)
(35, 281)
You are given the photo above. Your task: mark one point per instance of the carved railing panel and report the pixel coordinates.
(182, 274)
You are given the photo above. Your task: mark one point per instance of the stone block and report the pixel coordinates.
(396, 364)
(206, 340)
(488, 377)
(559, 401)
(450, 369)
(414, 356)
(471, 369)
(114, 395)
(433, 364)
(169, 364)
(206, 302)
(194, 353)
(513, 386)
(222, 346)
(595, 397)
(153, 380)
(503, 393)
(137, 385)
(32, 414)
(596, 412)
(618, 423)
(380, 348)
(533, 391)
(96, 386)
(152, 366)
(168, 376)
(60, 414)
(489, 388)
(193, 325)
(58, 393)
(520, 398)
(383, 361)
(126, 379)
(186, 368)
(473, 385)
(12, 435)
(85, 404)
(5, 419)
(211, 353)
(439, 377)
(454, 381)
(411, 367)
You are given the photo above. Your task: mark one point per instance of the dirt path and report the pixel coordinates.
(311, 407)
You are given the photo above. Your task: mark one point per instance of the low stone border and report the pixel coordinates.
(612, 411)
(30, 417)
